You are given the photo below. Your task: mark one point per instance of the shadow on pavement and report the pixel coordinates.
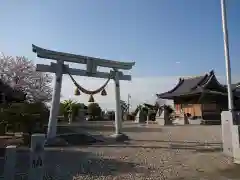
(232, 172)
(125, 129)
(201, 148)
(184, 142)
(68, 164)
(104, 128)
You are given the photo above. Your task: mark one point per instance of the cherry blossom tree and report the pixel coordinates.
(19, 72)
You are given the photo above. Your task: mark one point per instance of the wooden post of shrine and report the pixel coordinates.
(91, 63)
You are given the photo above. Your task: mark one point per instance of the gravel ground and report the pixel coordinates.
(154, 152)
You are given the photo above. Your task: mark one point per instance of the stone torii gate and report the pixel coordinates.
(59, 68)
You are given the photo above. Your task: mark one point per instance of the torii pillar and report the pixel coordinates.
(52, 123)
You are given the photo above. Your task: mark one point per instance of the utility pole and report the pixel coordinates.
(226, 53)
(129, 96)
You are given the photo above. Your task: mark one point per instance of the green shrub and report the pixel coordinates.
(70, 106)
(76, 107)
(2, 128)
(25, 116)
(95, 111)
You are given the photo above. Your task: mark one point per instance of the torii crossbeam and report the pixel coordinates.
(92, 63)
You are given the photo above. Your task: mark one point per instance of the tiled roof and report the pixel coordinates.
(185, 86)
(192, 85)
(189, 84)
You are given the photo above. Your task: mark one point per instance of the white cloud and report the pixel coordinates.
(141, 89)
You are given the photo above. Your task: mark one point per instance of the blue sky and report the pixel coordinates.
(156, 34)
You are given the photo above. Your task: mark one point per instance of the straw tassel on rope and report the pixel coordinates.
(103, 93)
(91, 99)
(77, 92)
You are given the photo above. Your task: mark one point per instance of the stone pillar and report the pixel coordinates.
(10, 163)
(118, 116)
(137, 116)
(52, 123)
(160, 117)
(147, 122)
(230, 136)
(119, 136)
(227, 123)
(36, 171)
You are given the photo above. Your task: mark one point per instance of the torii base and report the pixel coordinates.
(120, 137)
(55, 142)
(72, 139)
